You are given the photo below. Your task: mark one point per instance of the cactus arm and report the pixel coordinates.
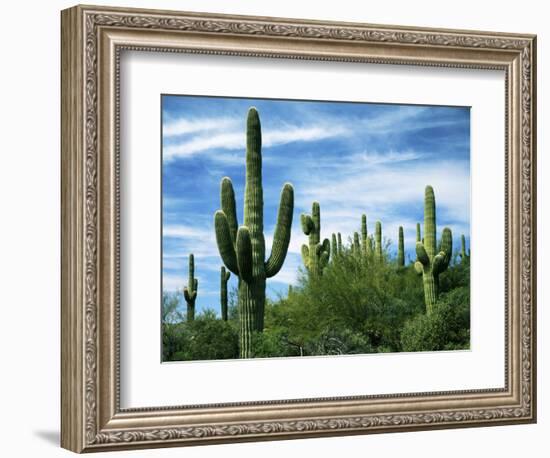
(244, 253)
(356, 244)
(307, 223)
(187, 295)
(439, 264)
(364, 243)
(334, 247)
(339, 243)
(281, 238)
(323, 259)
(326, 247)
(227, 276)
(421, 254)
(418, 235)
(196, 286)
(419, 267)
(305, 255)
(447, 245)
(225, 244)
(227, 198)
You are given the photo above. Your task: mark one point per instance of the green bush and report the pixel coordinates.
(446, 328)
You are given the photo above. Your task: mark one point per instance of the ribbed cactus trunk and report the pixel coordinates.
(364, 236)
(243, 249)
(430, 263)
(464, 256)
(356, 245)
(378, 240)
(190, 291)
(315, 255)
(401, 249)
(334, 247)
(224, 278)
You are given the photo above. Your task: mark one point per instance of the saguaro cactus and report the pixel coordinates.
(356, 245)
(364, 236)
(224, 278)
(316, 255)
(334, 247)
(190, 291)
(430, 263)
(340, 244)
(400, 249)
(243, 250)
(464, 256)
(378, 240)
(418, 234)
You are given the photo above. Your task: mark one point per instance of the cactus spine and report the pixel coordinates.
(243, 250)
(190, 291)
(378, 240)
(429, 263)
(400, 249)
(316, 255)
(224, 278)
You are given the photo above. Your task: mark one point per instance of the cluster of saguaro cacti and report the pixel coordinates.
(400, 249)
(224, 278)
(316, 254)
(190, 291)
(242, 249)
(431, 263)
(464, 256)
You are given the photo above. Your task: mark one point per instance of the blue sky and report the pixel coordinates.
(353, 158)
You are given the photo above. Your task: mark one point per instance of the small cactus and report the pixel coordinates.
(364, 236)
(430, 263)
(334, 247)
(190, 291)
(464, 256)
(316, 255)
(224, 278)
(378, 240)
(400, 249)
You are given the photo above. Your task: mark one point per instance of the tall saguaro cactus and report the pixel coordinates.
(430, 263)
(317, 254)
(190, 291)
(224, 278)
(400, 249)
(364, 236)
(378, 240)
(243, 250)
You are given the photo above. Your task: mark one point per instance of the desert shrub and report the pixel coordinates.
(446, 328)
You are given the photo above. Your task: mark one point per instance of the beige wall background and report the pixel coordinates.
(30, 213)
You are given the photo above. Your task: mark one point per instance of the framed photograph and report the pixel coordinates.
(278, 228)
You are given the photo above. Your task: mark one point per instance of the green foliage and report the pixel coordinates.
(242, 249)
(446, 328)
(204, 338)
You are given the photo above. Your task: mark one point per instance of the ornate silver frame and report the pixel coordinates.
(92, 39)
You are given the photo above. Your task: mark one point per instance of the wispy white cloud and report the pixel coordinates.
(184, 126)
(210, 144)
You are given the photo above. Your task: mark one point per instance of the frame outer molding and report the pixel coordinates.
(91, 418)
